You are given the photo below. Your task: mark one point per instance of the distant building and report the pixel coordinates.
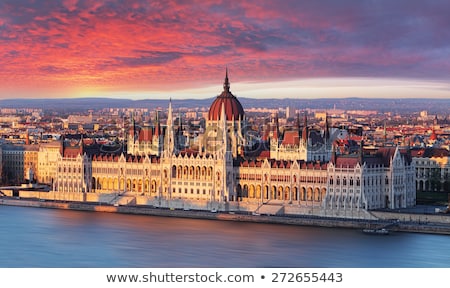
(80, 119)
(432, 169)
(290, 112)
(16, 159)
(48, 157)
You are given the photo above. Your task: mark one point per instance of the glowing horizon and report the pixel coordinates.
(291, 49)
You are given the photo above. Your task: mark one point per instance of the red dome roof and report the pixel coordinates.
(233, 108)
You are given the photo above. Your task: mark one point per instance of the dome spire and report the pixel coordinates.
(226, 84)
(232, 105)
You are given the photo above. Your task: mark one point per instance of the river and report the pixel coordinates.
(52, 238)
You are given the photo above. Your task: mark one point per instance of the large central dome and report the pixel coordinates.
(233, 108)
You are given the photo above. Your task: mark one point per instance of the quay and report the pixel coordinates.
(398, 222)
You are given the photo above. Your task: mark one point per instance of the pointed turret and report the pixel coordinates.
(276, 128)
(361, 153)
(169, 147)
(180, 123)
(305, 129)
(326, 132)
(81, 145)
(157, 125)
(333, 153)
(170, 114)
(179, 134)
(133, 131)
(297, 122)
(226, 83)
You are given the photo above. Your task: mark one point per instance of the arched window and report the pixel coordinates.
(174, 171)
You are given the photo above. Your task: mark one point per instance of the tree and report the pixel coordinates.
(435, 180)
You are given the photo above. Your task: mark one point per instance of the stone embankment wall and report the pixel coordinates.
(439, 218)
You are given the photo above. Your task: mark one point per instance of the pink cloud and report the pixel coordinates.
(160, 45)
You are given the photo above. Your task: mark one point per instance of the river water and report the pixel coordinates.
(37, 237)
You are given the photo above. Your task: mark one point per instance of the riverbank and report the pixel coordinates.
(395, 221)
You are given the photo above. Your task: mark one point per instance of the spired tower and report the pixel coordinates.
(169, 140)
(301, 144)
(235, 122)
(145, 140)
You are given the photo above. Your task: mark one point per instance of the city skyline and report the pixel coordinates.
(292, 49)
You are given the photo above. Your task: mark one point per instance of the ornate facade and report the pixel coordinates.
(300, 143)
(301, 169)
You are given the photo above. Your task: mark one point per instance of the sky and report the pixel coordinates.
(180, 49)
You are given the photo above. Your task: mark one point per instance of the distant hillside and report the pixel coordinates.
(441, 106)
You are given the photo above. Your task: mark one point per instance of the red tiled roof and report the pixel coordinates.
(145, 134)
(291, 138)
(344, 161)
(72, 152)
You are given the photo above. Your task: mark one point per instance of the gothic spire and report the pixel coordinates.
(157, 125)
(305, 128)
(326, 132)
(226, 84)
(169, 139)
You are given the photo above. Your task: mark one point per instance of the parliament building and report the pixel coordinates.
(300, 171)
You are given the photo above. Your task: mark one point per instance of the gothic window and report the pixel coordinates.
(197, 172)
(209, 172)
(174, 171)
(203, 171)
